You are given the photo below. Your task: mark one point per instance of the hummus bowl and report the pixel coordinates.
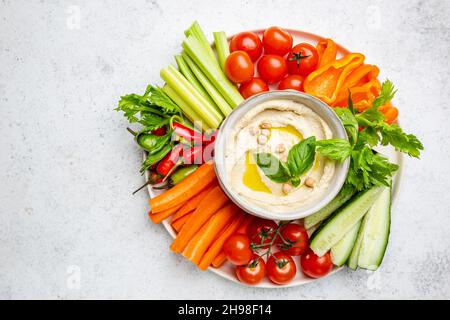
(272, 122)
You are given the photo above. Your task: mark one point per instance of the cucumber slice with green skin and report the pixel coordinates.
(342, 197)
(376, 233)
(343, 220)
(342, 250)
(352, 261)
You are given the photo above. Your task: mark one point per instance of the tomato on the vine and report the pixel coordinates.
(303, 59)
(272, 68)
(262, 232)
(239, 67)
(253, 272)
(315, 266)
(277, 41)
(281, 268)
(248, 42)
(237, 249)
(292, 82)
(252, 87)
(294, 239)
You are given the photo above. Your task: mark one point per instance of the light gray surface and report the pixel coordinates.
(69, 227)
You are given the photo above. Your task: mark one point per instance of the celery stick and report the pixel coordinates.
(222, 48)
(187, 110)
(195, 51)
(209, 87)
(187, 73)
(191, 96)
(198, 33)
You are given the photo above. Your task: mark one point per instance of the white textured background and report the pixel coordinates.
(68, 166)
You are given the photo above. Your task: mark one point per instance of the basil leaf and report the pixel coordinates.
(301, 156)
(272, 167)
(350, 123)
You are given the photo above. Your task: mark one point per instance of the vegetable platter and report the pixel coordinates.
(177, 125)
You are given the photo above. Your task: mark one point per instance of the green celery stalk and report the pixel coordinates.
(191, 96)
(212, 70)
(187, 110)
(209, 87)
(198, 33)
(222, 48)
(187, 73)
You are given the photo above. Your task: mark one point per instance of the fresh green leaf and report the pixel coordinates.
(387, 93)
(335, 149)
(349, 121)
(395, 136)
(350, 102)
(272, 167)
(370, 117)
(160, 98)
(368, 135)
(301, 156)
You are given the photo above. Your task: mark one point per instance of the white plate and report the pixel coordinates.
(227, 270)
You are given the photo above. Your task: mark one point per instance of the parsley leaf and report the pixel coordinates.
(406, 143)
(387, 93)
(350, 123)
(153, 109)
(335, 149)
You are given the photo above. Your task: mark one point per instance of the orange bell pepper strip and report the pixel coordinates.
(327, 51)
(326, 82)
(390, 112)
(360, 76)
(362, 96)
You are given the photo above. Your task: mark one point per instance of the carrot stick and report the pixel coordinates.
(193, 202)
(216, 247)
(212, 202)
(186, 189)
(160, 216)
(208, 233)
(220, 259)
(179, 223)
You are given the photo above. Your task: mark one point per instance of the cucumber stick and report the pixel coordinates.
(352, 261)
(343, 221)
(376, 234)
(343, 196)
(342, 250)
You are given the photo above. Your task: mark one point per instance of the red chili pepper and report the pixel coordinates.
(188, 134)
(160, 131)
(167, 164)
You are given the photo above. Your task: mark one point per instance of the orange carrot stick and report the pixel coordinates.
(212, 202)
(186, 189)
(220, 259)
(216, 247)
(209, 232)
(179, 223)
(193, 202)
(160, 216)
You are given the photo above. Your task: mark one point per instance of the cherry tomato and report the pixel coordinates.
(390, 113)
(262, 231)
(248, 42)
(237, 249)
(303, 59)
(314, 266)
(239, 67)
(253, 272)
(277, 41)
(272, 68)
(252, 87)
(295, 237)
(281, 268)
(293, 82)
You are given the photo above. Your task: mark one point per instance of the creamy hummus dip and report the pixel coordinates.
(275, 126)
